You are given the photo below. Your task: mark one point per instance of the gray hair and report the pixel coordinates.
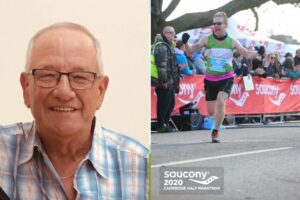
(70, 26)
(167, 28)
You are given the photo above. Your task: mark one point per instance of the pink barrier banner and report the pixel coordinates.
(269, 96)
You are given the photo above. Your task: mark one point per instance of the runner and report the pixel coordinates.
(219, 71)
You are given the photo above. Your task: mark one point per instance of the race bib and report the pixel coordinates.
(218, 64)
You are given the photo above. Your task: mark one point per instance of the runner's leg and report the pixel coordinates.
(220, 109)
(211, 107)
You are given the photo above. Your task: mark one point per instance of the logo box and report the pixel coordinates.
(191, 180)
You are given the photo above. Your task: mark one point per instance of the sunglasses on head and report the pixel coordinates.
(217, 23)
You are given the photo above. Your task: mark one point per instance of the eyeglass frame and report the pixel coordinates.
(95, 76)
(218, 23)
(171, 32)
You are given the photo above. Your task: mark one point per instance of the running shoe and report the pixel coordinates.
(215, 136)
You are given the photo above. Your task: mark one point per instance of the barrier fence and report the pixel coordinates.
(270, 96)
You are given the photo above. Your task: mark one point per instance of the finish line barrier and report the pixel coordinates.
(270, 96)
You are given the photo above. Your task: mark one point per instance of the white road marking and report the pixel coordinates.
(219, 157)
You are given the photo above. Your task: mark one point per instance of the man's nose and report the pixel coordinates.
(63, 90)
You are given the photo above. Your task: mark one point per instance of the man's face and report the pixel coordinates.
(169, 33)
(219, 26)
(63, 109)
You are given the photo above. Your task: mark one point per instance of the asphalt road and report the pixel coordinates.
(260, 163)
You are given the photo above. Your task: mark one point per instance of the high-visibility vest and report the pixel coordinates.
(154, 73)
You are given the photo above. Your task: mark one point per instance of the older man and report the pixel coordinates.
(65, 153)
(168, 78)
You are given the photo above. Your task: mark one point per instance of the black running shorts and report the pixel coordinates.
(212, 88)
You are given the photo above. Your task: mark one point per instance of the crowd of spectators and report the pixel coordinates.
(267, 65)
(270, 66)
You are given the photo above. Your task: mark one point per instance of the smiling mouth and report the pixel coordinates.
(63, 109)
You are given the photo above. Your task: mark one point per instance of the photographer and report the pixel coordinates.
(257, 63)
(240, 64)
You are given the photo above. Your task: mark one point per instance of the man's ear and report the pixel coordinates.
(104, 80)
(24, 80)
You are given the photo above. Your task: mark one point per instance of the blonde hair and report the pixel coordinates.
(271, 55)
(69, 26)
(223, 15)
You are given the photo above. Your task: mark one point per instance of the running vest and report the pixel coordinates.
(218, 56)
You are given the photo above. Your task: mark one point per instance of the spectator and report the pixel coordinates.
(290, 70)
(288, 55)
(190, 62)
(297, 58)
(257, 63)
(168, 78)
(287, 64)
(257, 68)
(198, 62)
(181, 59)
(278, 64)
(270, 68)
(239, 64)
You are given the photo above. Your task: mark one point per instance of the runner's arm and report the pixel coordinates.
(242, 50)
(191, 49)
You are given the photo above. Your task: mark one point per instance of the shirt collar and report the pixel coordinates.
(98, 153)
(28, 142)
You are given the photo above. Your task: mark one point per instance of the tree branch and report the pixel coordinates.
(256, 18)
(171, 7)
(286, 1)
(200, 19)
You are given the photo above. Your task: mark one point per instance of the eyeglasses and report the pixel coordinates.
(171, 32)
(49, 78)
(217, 23)
(272, 57)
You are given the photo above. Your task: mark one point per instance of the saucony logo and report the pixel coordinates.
(205, 182)
(196, 100)
(241, 101)
(279, 100)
